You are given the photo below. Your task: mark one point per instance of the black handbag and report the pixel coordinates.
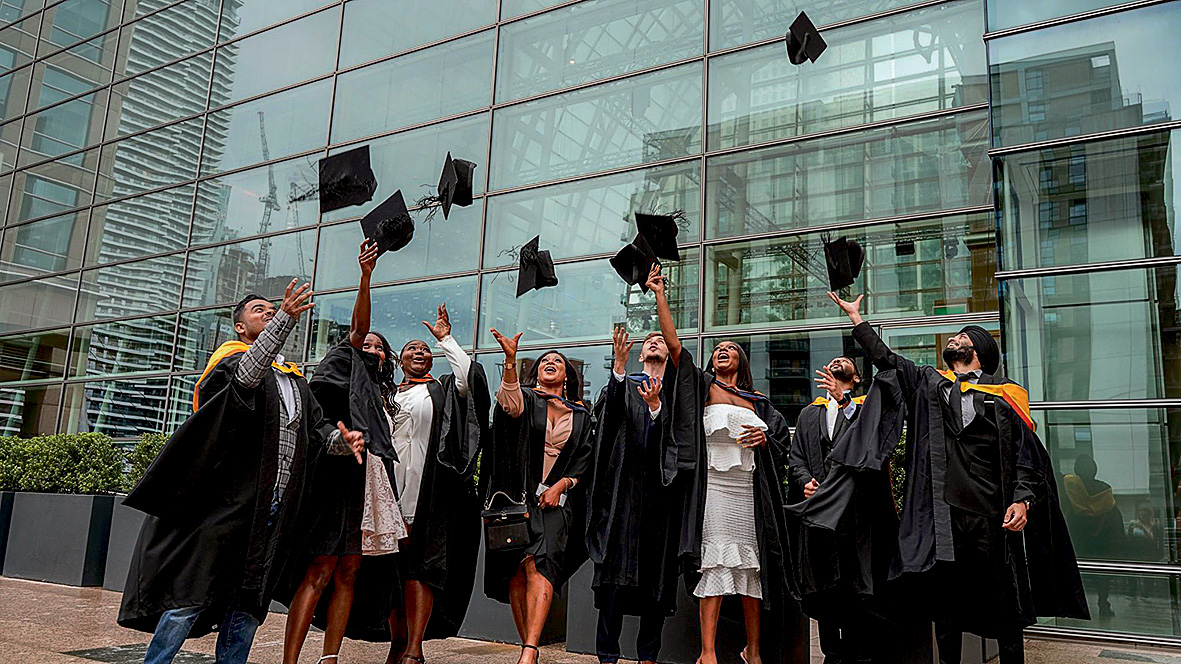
(506, 527)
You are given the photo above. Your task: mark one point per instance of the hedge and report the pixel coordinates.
(83, 463)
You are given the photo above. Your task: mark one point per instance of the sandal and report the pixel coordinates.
(534, 649)
(412, 658)
(326, 657)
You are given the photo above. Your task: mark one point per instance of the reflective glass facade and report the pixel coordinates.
(1004, 163)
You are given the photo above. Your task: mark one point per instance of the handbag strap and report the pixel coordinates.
(488, 504)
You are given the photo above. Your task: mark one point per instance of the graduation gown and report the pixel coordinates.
(685, 460)
(957, 562)
(513, 464)
(633, 527)
(206, 542)
(444, 541)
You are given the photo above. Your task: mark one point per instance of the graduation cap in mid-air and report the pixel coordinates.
(536, 268)
(844, 258)
(345, 179)
(455, 186)
(634, 262)
(804, 41)
(389, 224)
(660, 230)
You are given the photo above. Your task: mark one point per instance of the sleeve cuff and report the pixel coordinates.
(655, 413)
(618, 376)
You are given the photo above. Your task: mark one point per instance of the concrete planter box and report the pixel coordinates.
(59, 538)
(125, 526)
(489, 620)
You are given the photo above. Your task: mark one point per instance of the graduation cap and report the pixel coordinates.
(346, 179)
(804, 41)
(844, 258)
(536, 268)
(660, 231)
(455, 186)
(634, 262)
(389, 224)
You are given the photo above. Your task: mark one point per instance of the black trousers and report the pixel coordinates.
(611, 612)
(951, 640)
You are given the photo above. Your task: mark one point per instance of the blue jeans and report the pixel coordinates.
(233, 640)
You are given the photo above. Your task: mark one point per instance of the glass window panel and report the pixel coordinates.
(180, 401)
(593, 216)
(131, 289)
(39, 356)
(593, 40)
(18, 43)
(123, 347)
(738, 22)
(87, 65)
(159, 96)
(117, 408)
(638, 120)
(924, 344)
(440, 81)
(241, 204)
(14, 92)
(145, 162)
(935, 164)
(396, 312)
(585, 305)
(366, 25)
(1090, 202)
(782, 364)
(48, 245)
(53, 188)
(248, 67)
(1105, 335)
(1096, 75)
(295, 120)
(416, 157)
(11, 10)
(42, 303)
(513, 8)
(167, 35)
(923, 268)
(1133, 451)
(64, 128)
(241, 17)
(1142, 603)
(152, 224)
(10, 135)
(222, 274)
(1005, 14)
(73, 21)
(439, 247)
(202, 332)
(926, 60)
(29, 411)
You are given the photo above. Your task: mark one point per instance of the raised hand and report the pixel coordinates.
(656, 281)
(296, 300)
(442, 326)
(650, 390)
(367, 259)
(622, 348)
(827, 382)
(355, 440)
(508, 345)
(752, 437)
(851, 309)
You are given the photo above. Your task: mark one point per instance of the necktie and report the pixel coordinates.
(956, 400)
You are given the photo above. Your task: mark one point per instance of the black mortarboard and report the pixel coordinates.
(389, 224)
(804, 41)
(844, 258)
(634, 262)
(346, 179)
(536, 268)
(660, 230)
(455, 187)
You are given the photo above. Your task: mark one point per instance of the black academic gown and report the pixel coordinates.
(206, 542)
(685, 460)
(513, 464)
(958, 566)
(633, 529)
(444, 541)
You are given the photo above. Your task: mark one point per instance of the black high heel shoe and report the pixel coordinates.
(534, 649)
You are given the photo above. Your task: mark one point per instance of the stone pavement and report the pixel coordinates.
(52, 624)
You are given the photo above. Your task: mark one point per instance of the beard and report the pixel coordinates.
(954, 355)
(842, 373)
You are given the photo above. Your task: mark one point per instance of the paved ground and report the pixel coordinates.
(54, 624)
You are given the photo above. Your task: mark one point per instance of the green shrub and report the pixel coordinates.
(83, 463)
(898, 473)
(14, 458)
(142, 456)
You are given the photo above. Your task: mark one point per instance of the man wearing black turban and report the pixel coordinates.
(982, 546)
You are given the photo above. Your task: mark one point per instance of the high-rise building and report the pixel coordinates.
(1003, 162)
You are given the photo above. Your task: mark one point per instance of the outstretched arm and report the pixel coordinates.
(509, 395)
(656, 283)
(879, 353)
(459, 360)
(359, 326)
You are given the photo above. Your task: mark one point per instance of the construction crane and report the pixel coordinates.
(270, 202)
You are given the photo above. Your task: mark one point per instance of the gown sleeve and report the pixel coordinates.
(459, 361)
